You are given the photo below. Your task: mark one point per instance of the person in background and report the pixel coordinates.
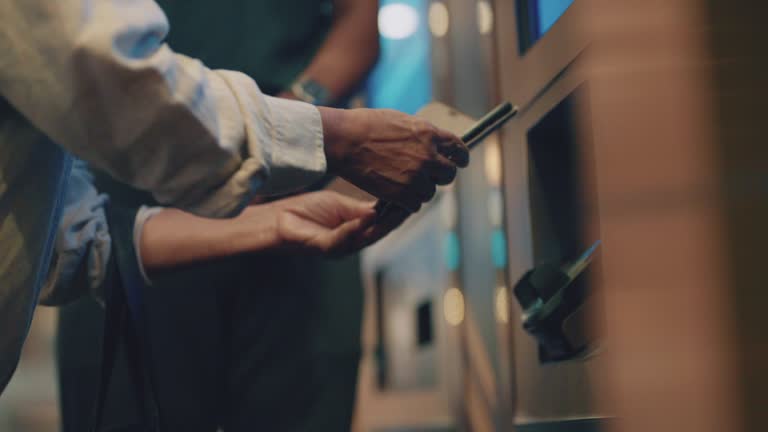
(98, 80)
(293, 365)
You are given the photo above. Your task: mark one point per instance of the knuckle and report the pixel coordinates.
(424, 130)
(426, 126)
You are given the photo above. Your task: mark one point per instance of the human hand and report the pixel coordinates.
(327, 223)
(391, 155)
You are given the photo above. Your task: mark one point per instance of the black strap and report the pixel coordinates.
(114, 323)
(118, 326)
(125, 321)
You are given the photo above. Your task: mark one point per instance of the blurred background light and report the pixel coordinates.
(499, 248)
(493, 161)
(495, 207)
(453, 306)
(452, 251)
(402, 79)
(484, 17)
(398, 21)
(502, 309)
(439, 20)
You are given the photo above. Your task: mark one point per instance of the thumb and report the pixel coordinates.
(343, 238)
(351, 208)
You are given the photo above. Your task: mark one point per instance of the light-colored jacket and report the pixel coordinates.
(95, 78)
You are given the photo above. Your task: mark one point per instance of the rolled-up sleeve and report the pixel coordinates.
(98, 79)
(142, 216)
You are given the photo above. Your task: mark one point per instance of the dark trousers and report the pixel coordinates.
(251, 343)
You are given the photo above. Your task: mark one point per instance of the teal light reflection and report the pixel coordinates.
(452, 251)
(499, 248)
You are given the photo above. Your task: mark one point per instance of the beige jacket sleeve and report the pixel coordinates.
(96, 77)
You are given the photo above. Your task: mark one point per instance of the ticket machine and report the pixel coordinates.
(446, 329)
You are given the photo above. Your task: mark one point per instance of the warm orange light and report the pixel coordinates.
(493, 161)
(501, 302)
(484, 17)
(453, 306)
(439, 20)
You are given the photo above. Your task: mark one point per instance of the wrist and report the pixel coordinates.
(333, 136)
(309, 90)
(255, 230)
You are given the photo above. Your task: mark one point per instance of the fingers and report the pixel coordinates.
(394, 156)
(385, 223)
(348, 237)
(424, 190)
(360, 233)
(350, 208)
(436, 171)
(443, 170)
(390, 218)
(451, 147)
(423, 187)
(412, 201)
(450, 154)
(429, 192)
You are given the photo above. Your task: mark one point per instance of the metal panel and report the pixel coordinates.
(542, 392)
(525, 76)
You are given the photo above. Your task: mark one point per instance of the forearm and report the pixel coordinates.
(98, 79)
(350, 49)
(173, 238)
